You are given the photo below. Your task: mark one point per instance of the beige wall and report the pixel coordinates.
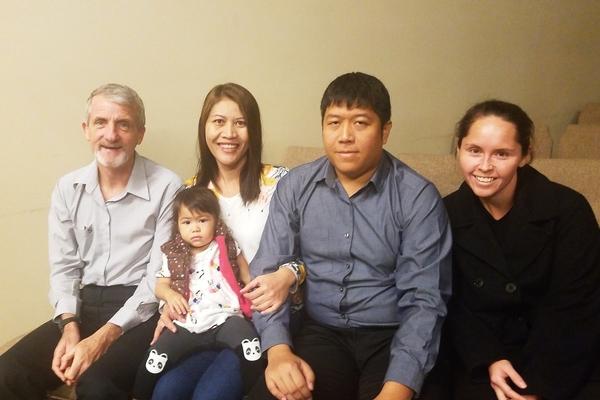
(436, 58)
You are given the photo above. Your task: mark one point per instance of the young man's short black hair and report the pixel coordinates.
(357, 89)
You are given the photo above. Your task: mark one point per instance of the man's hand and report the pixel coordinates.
(87, 351)
(166, 321)
(66, 345)
(394, 391)
(268, 292)
(500, 372)
(288, 377)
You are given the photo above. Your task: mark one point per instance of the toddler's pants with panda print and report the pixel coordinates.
(235, 333)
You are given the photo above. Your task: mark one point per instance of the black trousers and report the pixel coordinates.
(235, 333)
(449, 380)
(348, 363)
(26, 368)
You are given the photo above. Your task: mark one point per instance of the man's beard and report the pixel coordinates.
(112, 162)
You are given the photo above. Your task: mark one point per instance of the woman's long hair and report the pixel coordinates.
(252, 168)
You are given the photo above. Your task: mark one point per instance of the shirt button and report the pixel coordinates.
(341, 289)
(346, 235)
(343, 315)
(478, 282)
(510, 288)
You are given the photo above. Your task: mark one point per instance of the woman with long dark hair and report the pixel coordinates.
(230, 147)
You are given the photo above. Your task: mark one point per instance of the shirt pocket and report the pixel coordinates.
(84, 235)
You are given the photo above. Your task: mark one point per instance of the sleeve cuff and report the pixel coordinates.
(406, 370)
(274, 334)
(70, 304)
(128, 319)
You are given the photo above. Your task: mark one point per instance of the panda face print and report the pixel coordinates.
(156, 362)
(251, 349)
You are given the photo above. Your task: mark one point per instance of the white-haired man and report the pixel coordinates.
(106, 223)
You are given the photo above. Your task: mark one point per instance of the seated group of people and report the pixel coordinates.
(344, 278)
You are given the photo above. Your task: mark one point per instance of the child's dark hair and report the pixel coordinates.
(198, 199)
(201, 199)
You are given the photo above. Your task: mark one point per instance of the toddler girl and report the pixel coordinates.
(202, 266)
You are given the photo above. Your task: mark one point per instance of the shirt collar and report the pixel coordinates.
(138, 181)
(377, 179)
(137, 184)
(328, 173)
(88, 177)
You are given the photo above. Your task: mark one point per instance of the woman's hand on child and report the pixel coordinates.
(500, 372)
(268, 292)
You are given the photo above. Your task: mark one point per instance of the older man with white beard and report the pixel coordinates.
(107, 222)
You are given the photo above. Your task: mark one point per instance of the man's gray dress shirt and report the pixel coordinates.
(114, 242)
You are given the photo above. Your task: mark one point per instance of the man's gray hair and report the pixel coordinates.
(122, 95)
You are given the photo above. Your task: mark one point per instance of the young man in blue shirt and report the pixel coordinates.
(375, 239)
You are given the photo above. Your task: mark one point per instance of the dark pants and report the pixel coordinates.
(235, 333)
(26, 368)
(449, 380)
(468, 389)
(348, 363)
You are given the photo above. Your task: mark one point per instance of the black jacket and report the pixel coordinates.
(542, 310)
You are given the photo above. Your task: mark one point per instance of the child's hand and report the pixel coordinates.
(177, 304)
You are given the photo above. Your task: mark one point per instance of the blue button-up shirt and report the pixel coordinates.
(378, 258)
